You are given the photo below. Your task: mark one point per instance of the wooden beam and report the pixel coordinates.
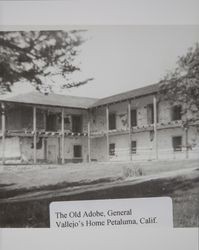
(89, 137)
(44, 119)
(107, 131)
(155, 126)
(44, 139)
(187, 142)
(3, 128)
(62, 138)
(129, 128)
(34, 135)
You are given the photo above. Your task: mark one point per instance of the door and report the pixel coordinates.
(77, 123)
(52, 154)
(51, 121)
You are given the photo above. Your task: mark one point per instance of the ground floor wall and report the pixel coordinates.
(49, 150)
(145, 146)
(99, 149)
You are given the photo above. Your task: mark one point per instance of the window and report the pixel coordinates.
(176, 113)
(112, 121)
(66, 120)
(133, 117)
(51, 122)
(67, 123)
(77, 151)
(112, 149)
(133, 147)
(177, 143)
(38, 144)
(77, 123)
(26, 116)
(150, 114)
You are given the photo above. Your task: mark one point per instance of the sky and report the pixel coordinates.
(122, 58)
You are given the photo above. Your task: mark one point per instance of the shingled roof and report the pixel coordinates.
(147, 90)
(57, 100)
(51, 100)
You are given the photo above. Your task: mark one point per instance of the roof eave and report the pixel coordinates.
(44, 105)
(123, 100)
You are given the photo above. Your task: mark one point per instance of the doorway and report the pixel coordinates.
(52, 154)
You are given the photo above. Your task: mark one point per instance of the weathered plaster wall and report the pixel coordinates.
(141, 106)
(164, 112)
(27, 152)
(54, 147)
(12, 148)
(51, 149)
(99, 149)
(98, 119)
(145, 140)
(165, 148)
(146, 146)
(193, 140)
(68, 113)
(121, 147)
(14, 120)
(21, 117)
(69, 145)
(121, 112)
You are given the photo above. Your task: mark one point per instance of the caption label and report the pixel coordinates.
(148, 212)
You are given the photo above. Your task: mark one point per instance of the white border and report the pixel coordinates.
(99, 12)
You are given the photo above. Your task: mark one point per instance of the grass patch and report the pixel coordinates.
(182, 189)
(8, 193)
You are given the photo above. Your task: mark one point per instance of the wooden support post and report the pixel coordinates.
(129, 128)
(62, 137)
(45, 139)
(107, 131)
(89, 138)
(3, 128)
(44, 119)
(187, 142)
(155, 126)
(35, 135)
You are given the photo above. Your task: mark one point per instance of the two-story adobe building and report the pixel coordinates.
(131, 126)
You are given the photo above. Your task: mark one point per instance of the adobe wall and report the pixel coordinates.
(21, 118)
(99, 149)
(98, 119)
(54, 146)
(20, 148)
(146, 146)
(145, 139)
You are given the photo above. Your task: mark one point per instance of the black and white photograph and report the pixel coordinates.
(98, 112)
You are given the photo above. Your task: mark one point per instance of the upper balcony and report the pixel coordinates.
(135, 119)
(47, 122)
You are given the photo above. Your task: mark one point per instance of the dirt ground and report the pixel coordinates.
(35, 176)
(25, 193)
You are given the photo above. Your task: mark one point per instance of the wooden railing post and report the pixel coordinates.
(34, 135)
(3, 128)
(107, 132)
(129, 128)
(89, 137)
(155, 127)
(62, 137)
(187, 141)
